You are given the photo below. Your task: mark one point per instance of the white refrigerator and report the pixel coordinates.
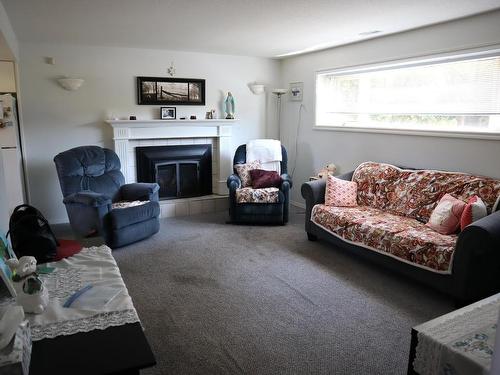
(12, 183)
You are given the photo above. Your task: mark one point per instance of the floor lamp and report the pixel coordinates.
(279, 93)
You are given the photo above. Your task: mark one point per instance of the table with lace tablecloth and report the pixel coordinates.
(459, 343)
(91, 266)
(109, 334)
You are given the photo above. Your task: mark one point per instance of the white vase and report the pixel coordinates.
(31, 303)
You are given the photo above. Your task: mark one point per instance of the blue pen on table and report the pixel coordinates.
(76, 295)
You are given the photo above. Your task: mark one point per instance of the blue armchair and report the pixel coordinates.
(259, 213)
(91, 182)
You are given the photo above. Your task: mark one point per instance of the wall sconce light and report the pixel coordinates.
(257, 88)
(70, 84)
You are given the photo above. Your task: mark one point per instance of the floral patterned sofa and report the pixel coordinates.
(388, 226)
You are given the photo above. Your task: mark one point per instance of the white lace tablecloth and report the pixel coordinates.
(459, 343)
(95, 266)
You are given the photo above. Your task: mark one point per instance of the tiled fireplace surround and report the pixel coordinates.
(129, 134)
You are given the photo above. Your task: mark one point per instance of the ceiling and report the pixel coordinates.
(267, 28)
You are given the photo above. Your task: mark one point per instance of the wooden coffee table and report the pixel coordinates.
(115, 350)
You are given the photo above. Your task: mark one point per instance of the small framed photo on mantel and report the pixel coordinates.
(168, 113)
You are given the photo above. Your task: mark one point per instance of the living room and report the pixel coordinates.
(255, 297)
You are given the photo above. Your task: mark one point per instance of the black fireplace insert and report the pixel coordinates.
(181, 171)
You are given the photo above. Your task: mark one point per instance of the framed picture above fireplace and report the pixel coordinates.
(170, 91)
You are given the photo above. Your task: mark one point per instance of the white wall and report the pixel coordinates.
(56, 120)
(9, 48)
(318, 147)
(7, 77)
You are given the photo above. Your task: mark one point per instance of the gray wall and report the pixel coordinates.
(316, 148)
(56, 120)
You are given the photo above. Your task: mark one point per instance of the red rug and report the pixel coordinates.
(67, 248)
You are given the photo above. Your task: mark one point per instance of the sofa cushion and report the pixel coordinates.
(415, 193)
(264, 179)
(265, 195)
(122, 217)
(243, 171)
(445, 218)
(403, 238)
(474, 210)
(127, 204)
(340, 193)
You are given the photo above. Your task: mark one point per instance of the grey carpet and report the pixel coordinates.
(222, 299)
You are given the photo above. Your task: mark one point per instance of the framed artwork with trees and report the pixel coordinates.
(170, 91)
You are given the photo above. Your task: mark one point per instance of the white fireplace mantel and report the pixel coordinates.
(126, 131)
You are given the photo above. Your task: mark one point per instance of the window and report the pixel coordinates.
(453, 94)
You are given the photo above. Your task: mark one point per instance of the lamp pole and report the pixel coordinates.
(279, 93)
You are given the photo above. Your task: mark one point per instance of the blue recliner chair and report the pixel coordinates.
(91, 182)
(259, 213)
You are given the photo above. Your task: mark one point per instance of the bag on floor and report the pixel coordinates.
(30, 234)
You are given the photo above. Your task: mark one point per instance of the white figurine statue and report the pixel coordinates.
(32, 294)
(229, 106)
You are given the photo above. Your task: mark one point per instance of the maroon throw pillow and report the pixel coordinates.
(264, 179)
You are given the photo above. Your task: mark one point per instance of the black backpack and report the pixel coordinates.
(30, 234)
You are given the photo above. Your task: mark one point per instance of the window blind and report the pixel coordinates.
(468, 88)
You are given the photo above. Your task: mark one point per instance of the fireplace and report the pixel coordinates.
(182, 171)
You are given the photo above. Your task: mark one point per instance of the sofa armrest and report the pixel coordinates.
(286, 185)
(233, 182)
(489, 224)
(88, 198)
(285, 178)
(140, 191)
(314, 193)
(476, 262)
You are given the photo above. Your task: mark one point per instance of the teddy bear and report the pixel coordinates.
(31, 292)
(330, 169)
